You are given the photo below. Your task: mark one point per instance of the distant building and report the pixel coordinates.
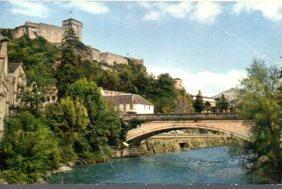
(16, 81)
(178, 83)
(112, 93)
(229, 94)
(127, 102)
(206, 99)
(53, 34)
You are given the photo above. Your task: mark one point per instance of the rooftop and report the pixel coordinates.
(71, 19)
(127, 99)
(13, 66)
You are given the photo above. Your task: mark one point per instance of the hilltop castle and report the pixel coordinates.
(54, 34)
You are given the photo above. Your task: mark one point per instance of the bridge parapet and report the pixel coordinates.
(190, 116)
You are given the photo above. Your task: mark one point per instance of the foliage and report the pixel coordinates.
(68, 70)
(8, 33)
(207, 106)
(106, 124)
(80, 126)
(222, 104)
(183, 103)
(38, 57)
(28, 149)
(259, 104)
(198, 103)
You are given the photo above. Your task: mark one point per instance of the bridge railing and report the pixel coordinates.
(187, 116)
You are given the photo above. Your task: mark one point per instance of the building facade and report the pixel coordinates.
(16, 81)
(178, 83)
(4, 103)
(211, 100)
(230, 95)
(127, 102)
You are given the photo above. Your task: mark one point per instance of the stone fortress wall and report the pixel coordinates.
(111, 58)
(51, 33)
(54, 34)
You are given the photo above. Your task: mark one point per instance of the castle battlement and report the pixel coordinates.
(55, 34)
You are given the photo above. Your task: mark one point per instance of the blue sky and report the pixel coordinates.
(208, 44)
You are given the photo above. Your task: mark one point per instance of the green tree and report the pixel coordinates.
(183, 102)
(38, 57)
(163, 94)
(69, 69)
(222, 104)
(105, 123)
(207, 106)
(258, 104)
(198, 103)
(28, 149)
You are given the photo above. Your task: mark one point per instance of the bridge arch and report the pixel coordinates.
(237, 128)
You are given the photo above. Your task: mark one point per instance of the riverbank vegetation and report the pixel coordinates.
(80, 126)
(259, 102)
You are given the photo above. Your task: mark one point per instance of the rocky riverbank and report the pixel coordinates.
(153, 146)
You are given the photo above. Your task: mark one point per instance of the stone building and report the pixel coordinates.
(53, 34)
(4, 103)
(16, 81)
(178, 83)
(127, 102)
(111, 93)
(75, 25)
(211, 100)
(229, 94)
(111, 58)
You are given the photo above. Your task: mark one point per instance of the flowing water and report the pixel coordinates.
(197, 166)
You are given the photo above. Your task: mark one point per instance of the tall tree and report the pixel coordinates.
(260, 105)
(222, 104)
(198, 103)
(28, 149)
(207, 106)
(68, 71)
(104, 123)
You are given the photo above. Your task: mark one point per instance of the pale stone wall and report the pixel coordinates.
(16, 83)
(95, 54)
(143, 109)
(111, 58)
(53, 34)
(236, 128)
(19, 32)
(154, 146)
(75, 25)
(178, 83)
(137, 61)
(4, 108)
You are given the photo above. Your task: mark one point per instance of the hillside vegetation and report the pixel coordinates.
(80, 126)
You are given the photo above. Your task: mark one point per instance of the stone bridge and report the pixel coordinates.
(152, 124)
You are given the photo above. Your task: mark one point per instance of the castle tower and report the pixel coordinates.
(76, 25)
(178, 83)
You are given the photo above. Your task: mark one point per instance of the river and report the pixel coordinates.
(197, 166)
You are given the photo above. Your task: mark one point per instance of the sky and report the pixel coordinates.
(208, 44)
